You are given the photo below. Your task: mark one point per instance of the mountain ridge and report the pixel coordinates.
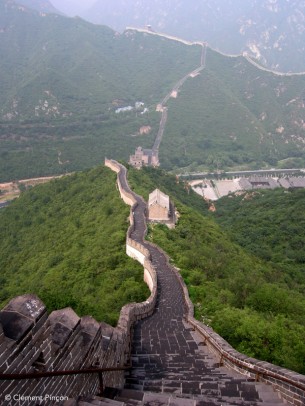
(65, 80)
(269, 30)
(44, 6)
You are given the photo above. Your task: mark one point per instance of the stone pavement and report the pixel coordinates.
(168, 357)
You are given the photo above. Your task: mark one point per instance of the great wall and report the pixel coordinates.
(158, 354)
(244, 54)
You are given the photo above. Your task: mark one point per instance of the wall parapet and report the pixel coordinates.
(133, 248)
(289, 384)
(33, 341)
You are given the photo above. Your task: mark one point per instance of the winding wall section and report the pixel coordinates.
(31, 341)
(158, 339)
(170, 350)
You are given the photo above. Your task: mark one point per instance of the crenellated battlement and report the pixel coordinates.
(31, 341)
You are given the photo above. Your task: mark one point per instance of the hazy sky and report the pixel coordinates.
(67, 5)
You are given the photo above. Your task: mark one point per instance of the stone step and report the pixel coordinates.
(235, 391)
(166, 400)
(267, 395)
(134, 397)
(93, 401)
(248, 394)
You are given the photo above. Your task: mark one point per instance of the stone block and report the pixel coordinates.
(20, 315)
(60, 334)
(15, 325)
(66, 317)
(90, 326)
(28, 305)
(62, 323)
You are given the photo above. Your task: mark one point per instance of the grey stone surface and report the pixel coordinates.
(28, 305)
(20, 315)
(14, 324)
(66, 316)
(167, 355)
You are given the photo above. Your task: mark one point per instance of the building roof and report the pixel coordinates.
(284, 182)
(257, 182)
(148, 152)
(158, 197)
(297, 182)
(245, 184)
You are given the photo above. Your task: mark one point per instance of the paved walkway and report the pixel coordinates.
(169, 357)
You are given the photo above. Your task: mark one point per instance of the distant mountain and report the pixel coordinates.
(71, 7)
(51, 64)
(273, 31)
(234, 115)
(39, 5)
(63, 81)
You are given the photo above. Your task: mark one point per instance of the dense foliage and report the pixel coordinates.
(272, 30)
(269, 224)
(235, 116)
(257, 307)
(65, 242)
(62, 80)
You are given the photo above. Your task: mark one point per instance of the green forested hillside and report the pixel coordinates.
(65, 241)
(271, 225)
(257, 306)
(62, 80)
(234, 115)
(44, 6)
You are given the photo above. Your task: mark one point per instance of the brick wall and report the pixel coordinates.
(157, 212)
(33, 341)
(290, 385)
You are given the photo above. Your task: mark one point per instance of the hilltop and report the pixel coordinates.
(270, 30)
(65, 242)
(256, 305)
(69, 91)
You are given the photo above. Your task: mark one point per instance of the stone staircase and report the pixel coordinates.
(171, 365)
(235, 393)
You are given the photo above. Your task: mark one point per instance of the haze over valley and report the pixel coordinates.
(272, 31)
(58, 111)
(121, 108)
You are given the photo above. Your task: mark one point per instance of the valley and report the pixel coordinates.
(270, 31)
(73, 93)
(230, 115)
